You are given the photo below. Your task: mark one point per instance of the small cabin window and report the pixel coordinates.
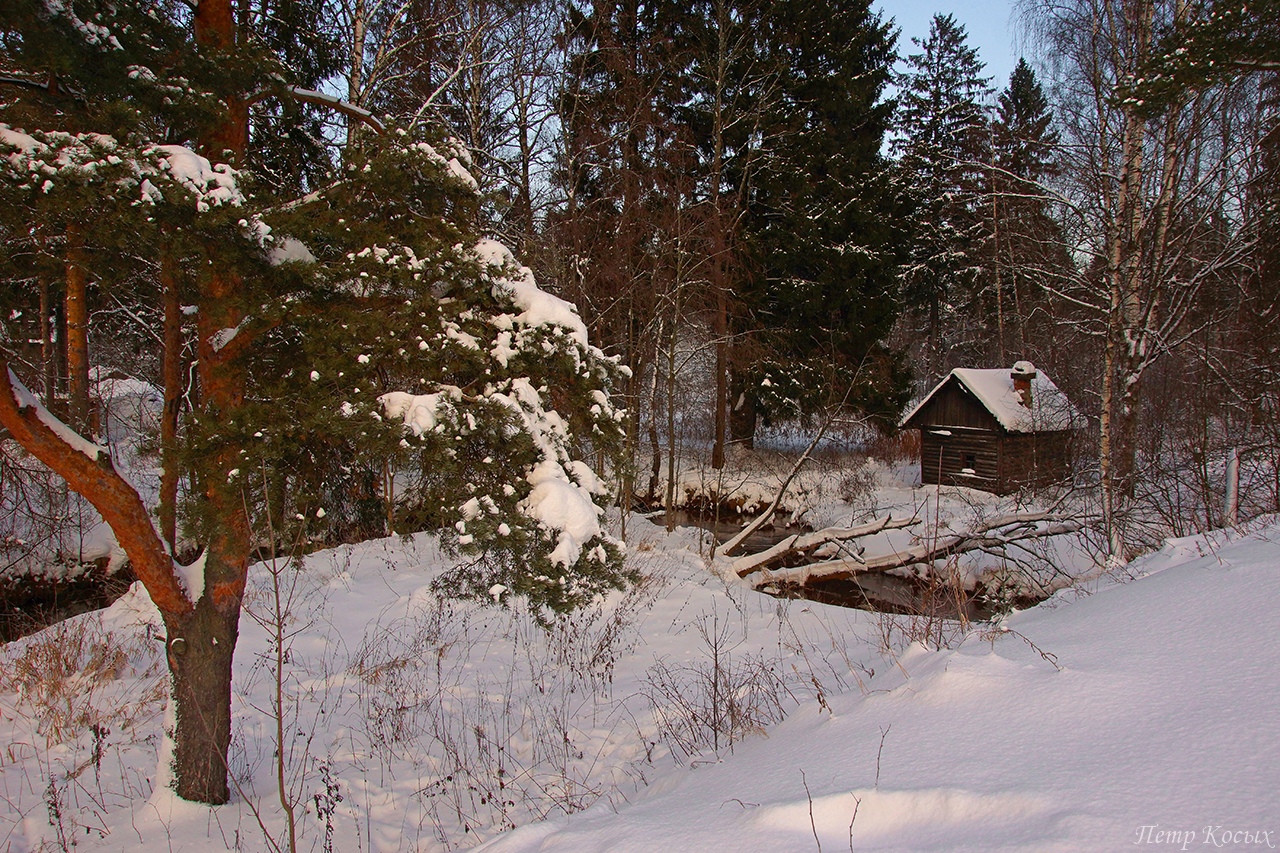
(970, 461)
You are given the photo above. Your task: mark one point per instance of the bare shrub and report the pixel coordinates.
(586, 643)
(72, 696)
(501, 749)
(717, 700)
(401, 669)
(940, 621)
(858, 486)
(896, 631)
(896, 446)
(77, 677)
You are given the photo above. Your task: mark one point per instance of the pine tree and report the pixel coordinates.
(365, 322)
(942, 141)
(1203, 47)
(406, 315)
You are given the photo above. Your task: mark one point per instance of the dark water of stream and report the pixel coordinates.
(728, 526)
(875, 591)
(882, 593)
(29, 604)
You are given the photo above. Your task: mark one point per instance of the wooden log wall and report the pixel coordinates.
(1035, 459)
(947, 456)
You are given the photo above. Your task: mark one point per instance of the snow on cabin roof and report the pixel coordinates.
(993, 387)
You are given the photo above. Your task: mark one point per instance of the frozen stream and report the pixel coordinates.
(877, 592)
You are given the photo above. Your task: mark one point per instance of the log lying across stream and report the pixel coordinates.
(778, 565)
(803, 545)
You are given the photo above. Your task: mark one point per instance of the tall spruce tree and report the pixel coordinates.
(1023, 137)
(1027, 253)
(824, 234)
(942, 141)
(363, 321)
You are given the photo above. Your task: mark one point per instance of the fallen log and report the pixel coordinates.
(804, 544)
(992, 536)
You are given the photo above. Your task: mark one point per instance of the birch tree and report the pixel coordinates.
(1149, 195)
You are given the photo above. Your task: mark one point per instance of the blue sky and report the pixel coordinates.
(989, 23)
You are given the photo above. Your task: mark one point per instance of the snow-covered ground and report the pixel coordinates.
(1096, 721)
(1145, 698)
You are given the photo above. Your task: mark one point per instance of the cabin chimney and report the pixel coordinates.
(1022, 374)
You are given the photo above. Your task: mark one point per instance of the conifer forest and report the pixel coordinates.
(526, 281)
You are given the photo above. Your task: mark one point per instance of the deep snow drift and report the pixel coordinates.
(1148, 700)
(1092, 722)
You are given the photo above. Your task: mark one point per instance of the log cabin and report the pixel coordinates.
(995, 430)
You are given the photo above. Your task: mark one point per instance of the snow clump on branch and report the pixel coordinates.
(47, 159)
(562, 493)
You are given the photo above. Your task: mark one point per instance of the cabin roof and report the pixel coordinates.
(1050, 409)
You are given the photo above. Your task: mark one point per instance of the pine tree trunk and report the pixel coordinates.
(215, 31)
(202, 637)
(202, 673)
(77, 308)
(201, 646)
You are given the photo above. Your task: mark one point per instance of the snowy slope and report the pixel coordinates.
(414, 723)
(1155, 703)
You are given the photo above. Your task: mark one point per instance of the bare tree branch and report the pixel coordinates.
(996, 535)
(88, 470)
